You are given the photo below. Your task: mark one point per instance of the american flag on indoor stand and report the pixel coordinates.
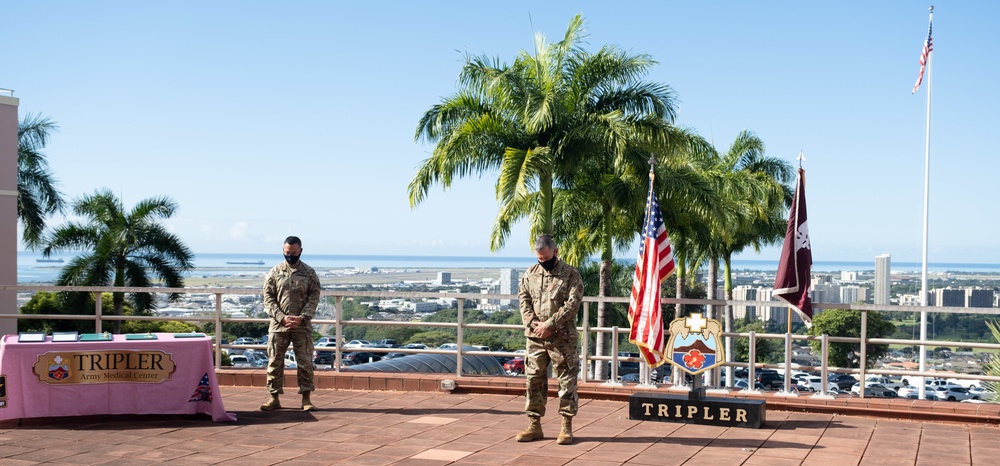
(655, 264)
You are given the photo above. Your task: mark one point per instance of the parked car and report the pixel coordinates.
(842, 381)
(980, 393)
(810, 383)
(869, 383)
(633, 377)
(661, 373)
(290, 362)
(385, 343)
(240, 361)
(967, 383)
(394, 355)
(326, 341)
(625, 367)
(361, 357)
(904, 391)
(893, 383)
(358, 344)
(245, 341)
(257, 358)
(514, 366)
(414, 346)
(770, 379)
(941, 383)
(877, 391)
(324, 353)
(448, 346)
(952, 394)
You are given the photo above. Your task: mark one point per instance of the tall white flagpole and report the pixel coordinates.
(927, 177)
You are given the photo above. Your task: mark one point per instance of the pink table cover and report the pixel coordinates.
(191, 388)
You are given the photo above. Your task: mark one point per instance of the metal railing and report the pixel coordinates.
(338, 322)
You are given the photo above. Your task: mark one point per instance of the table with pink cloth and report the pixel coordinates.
(166, 375)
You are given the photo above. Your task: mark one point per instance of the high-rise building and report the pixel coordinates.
(509, 284)
(444, 278)
(745, 293)
(828, 293)
(978, 297)
(882, 279)
(850, 294)
(947, 297)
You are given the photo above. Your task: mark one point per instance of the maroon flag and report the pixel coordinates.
(928, 47)
(792, 282)
(655, 264)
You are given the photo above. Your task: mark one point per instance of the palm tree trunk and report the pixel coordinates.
(545, 186)
(679, 294)
(118, 298)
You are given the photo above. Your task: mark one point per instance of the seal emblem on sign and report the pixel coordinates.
(58, 368)
(695, 344)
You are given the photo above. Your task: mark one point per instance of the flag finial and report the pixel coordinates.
(800, 158)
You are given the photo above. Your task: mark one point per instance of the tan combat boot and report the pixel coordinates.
(533, 432)
(271, 404)
(566, 433)
(306, 403)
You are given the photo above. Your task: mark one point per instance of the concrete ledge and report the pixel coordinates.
(886, 408)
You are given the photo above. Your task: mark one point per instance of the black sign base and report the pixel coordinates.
(711, 411)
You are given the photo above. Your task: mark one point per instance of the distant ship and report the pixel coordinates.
(59, 260)
(245, 263)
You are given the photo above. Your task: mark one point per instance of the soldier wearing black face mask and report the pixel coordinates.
(550, 295)
(291, 295)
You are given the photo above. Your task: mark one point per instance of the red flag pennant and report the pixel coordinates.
(792, 282)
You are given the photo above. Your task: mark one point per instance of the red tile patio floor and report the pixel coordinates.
(376, 427)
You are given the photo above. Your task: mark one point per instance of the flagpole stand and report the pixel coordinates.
(614, 380)
(697, 390)
(645, 376)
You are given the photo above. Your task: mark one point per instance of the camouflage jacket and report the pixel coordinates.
(552, 297)
(290, 292)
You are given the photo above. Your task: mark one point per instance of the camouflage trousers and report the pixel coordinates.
(277, 345)
(564, 358)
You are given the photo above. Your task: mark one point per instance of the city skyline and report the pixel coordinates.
(229, 108)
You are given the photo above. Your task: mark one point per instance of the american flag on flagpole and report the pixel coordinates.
(655, 264)
(928, 47)
(791, 284)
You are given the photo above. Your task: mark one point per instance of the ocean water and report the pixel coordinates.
(30, 270)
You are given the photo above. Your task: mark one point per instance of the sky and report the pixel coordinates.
(265, 119)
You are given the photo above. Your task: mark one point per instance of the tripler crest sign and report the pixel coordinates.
(695, 344)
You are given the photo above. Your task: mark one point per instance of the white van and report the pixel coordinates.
(290, 360)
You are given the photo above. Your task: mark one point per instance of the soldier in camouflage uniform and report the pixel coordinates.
(550, 295)
(291, 295)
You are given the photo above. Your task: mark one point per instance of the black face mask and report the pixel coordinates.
(549, 264)
(292, 260)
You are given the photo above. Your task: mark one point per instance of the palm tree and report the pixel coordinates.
(537, 121)
(37, 196)
(602, 209)
(122, 248)
(755, 193)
